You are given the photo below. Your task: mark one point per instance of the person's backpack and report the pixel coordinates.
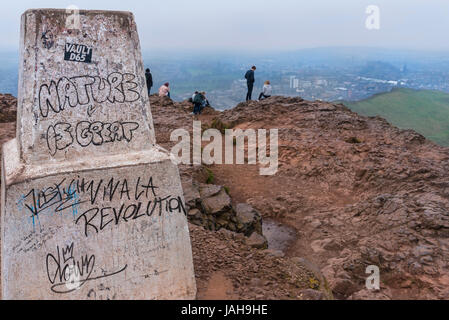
(197, 99)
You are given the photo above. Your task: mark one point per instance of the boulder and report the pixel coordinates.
(211, 207)
(248, 219)
(209, 190)
(257, 241)
(219, 203)
(191, 194)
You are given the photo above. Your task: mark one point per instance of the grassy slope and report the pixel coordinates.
(424, 111)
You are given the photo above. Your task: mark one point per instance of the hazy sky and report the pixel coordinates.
(262, 24)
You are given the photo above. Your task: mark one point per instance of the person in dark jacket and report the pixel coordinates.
(249, 76)
(149, 79)
(197, 103)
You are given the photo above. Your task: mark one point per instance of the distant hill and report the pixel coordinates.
(380, 70)
(424, 111)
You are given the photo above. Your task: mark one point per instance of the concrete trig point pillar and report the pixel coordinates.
(92, 208)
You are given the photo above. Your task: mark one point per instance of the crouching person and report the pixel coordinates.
(164, 90)
(198, 103)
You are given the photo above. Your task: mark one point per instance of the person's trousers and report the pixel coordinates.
(197, 108)
(250, 91)
(263, 96)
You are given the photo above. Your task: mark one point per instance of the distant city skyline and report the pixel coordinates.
(262, 25)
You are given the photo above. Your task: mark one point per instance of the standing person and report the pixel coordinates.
(164, 90)
(197, 103)
(193, 96)
(149, 79)
(266, 91)
(249, 76)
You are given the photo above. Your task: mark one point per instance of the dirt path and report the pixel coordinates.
(293, 210)
(219, 287)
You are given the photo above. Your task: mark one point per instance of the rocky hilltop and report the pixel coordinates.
(357, 190)
(354, 191)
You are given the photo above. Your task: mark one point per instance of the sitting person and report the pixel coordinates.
(164, 90)
(266, 93)
(205, 101)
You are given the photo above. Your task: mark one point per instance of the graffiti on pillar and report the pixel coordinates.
(89, 92)
(96, 206)
(73, 92)
(62, 135)
(109, 201)
(47, 39)
(68, 273)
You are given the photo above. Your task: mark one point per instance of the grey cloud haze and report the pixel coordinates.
(259, 25)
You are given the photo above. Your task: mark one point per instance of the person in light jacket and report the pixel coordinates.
(205, 101)
(266, 92)
(164, 90)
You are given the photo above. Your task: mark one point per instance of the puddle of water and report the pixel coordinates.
(279, 236)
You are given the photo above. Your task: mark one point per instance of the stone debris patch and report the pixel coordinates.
(210, 206)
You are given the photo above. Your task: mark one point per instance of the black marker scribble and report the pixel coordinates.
(62, 135)
(85, 90)
(62, 268)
